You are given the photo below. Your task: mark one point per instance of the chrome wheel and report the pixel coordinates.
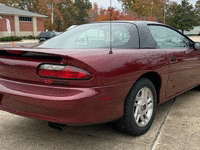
(143, 107)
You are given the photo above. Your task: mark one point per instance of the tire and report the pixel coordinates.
(139, 108)
(42, 41)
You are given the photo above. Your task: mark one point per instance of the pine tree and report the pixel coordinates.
(182, 16)
(83, 6)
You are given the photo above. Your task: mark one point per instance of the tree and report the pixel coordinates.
(144, 9)
(94, 12)
(197, 7)
(64, 11)
(108, 14)
(182, 16)
(64, 14)
(126, 4)
(140, 7)
(13, 3)
(83, 7)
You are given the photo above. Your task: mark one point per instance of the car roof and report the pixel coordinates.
(136, 22)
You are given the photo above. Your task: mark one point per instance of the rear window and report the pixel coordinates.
(99, 35)
(45, 34)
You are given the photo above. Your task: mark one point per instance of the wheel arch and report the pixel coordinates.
(156, 80)
(42, 40)
(127, 123)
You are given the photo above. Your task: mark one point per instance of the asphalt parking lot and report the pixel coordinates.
(176, 127)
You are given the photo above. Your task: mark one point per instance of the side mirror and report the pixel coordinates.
(197, 45)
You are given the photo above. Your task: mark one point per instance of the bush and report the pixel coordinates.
(10, 38)
(29, 37)
(16, 38)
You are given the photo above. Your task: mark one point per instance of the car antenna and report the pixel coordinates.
(110, 52)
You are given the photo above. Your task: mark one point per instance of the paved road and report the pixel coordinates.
(181, 129)
(176, 126)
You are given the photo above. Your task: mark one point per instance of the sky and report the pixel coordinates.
(193, 2)
(106, 3)
(116, 4)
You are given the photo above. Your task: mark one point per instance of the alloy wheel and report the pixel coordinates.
(143, 107)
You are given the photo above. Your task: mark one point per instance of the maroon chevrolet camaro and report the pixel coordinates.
(107, 71)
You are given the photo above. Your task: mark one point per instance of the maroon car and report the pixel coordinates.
(108, 71)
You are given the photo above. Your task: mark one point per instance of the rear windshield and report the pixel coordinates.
(99, 35)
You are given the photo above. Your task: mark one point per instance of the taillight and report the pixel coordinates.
(62, 72)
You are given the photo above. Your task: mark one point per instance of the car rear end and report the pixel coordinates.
(71, 78)
(53, 86)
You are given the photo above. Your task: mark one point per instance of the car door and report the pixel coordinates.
(183, 59)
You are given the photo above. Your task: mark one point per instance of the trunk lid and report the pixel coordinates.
(21, 64)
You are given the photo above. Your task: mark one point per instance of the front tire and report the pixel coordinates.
(139, 108)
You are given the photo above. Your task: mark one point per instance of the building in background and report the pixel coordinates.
(21, 22)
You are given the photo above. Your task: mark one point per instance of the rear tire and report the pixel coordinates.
(42, 41)
(139, 108)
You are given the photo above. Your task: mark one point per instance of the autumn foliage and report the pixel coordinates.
(145, 9)
(100, 14)
(71, 12)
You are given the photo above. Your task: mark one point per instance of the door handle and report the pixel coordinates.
(172, 59)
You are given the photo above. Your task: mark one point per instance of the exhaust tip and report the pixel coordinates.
(56, 126)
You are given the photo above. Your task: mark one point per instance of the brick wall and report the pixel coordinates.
(3, 26)
(40, 24)
(25, 26)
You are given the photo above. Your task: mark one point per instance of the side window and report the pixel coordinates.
(168, 38)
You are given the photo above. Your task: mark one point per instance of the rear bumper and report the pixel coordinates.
(63, 104)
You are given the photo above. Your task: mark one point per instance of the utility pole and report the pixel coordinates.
(52, 15)
(151, 10)
(164, 10)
